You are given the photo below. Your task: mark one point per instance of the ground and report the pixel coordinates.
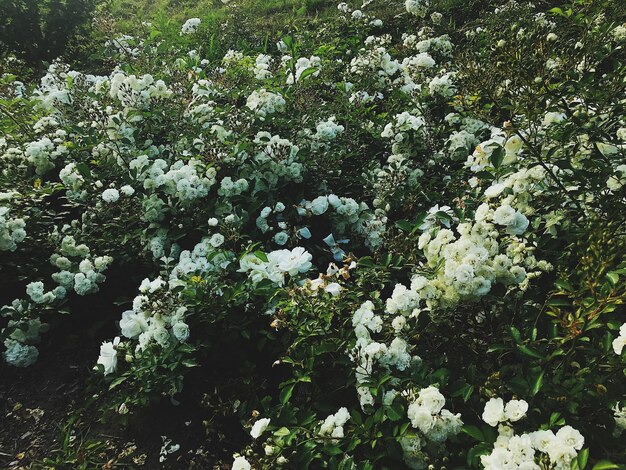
(44, 422)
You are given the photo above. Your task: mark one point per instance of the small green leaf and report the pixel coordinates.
(559, 302)
(366, 262)
(404, 225)
(529, 352)
(515, 334)
(474, 431)
(497, 156)
(282, 432)
(285, 393)
(583, 457)
(395, 412)
(305, 73)
(537, 383)
(604, 465)
(613, 278)
(117, 382)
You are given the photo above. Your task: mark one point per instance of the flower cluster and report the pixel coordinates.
(496, 412)
(275, 265)
(468, 265)
(263, 102)
(535, 450)
(229, 180)
(333, 424)
(427, 414)
(12, 230)
(190, 26)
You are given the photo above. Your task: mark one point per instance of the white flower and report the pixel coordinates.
(240, 463)
(216, 240)
(259, 427)
(293, 262)
(132, 324)
(518, 225)
(515, 410)
(190, 26)
(542, 440)
(494, 412)
(618, 344)
(264, 102)
(127, 190)
(398, 324)
(513, 145)
(108, 356)
(319, 205)
(333, 424)
(504, 215)
(333, 289)
(570, 437)
(432, 399)
(420, 417)
(180, 330)
(494, 190)
(281, 238)
(416, 7)
(18, 354)
(552, 117)
(110, 195)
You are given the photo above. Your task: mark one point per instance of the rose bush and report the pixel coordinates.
(384, 240)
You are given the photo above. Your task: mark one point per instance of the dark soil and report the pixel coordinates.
(44, 422)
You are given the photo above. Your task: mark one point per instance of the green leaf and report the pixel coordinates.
(556, 419)
(613, 277)
(497, 157)
(529, 352)
(515, 334)
(282, 432)
(285, 393)
(474, 431)
(366, 262)
(537, 383)
(117, 382)
(582, 459)
(305, 73)
(395, 412)
(83, 169)
(556, 11)
(467, 393)
(404, 225)
(559, 302)
(604, 465)
(473, 456)
(333, 450)
(261, 255)
(563, 284)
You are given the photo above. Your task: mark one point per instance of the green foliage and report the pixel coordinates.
(464, 221)
(36, 30)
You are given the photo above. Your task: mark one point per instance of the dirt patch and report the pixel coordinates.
(44, 421)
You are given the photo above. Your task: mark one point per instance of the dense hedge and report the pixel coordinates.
(395, 240)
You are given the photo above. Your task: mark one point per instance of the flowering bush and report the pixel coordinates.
(380, 241)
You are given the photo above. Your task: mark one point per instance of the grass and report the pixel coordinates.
(128, 13)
